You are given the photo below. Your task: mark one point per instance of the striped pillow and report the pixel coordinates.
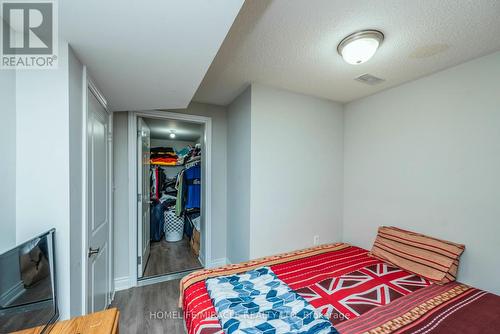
(434, 259)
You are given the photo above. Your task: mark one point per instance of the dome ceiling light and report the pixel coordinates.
(360, 46)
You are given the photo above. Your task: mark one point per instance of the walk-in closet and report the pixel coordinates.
(171, 177)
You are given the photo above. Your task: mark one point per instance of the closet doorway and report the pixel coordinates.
(173, 204)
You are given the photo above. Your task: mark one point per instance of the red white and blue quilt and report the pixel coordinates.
(357, 293)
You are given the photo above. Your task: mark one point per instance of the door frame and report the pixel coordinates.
(140, 204)
(88, 84)
(206, 203)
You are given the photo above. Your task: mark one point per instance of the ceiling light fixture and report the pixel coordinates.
(360, 46)
(172, 134)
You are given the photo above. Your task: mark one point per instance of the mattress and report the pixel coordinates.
(357, 293)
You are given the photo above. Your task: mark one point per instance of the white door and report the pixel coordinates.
(98, 206)
(144, 196)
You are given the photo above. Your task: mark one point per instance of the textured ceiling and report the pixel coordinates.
(292, 44)
(147, 54)
(184, 131)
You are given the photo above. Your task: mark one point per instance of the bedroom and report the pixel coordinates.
(306, 149)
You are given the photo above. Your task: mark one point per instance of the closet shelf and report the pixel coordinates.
(160, 165)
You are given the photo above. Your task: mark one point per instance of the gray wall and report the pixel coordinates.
(219, 184)
(120, 204)
(238, 178)
(75, 76)
(426, 156)
(176, 144)
(296, 171)
(219, 173)
(8, 164)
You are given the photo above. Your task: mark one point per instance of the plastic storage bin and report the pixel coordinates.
(174, 226)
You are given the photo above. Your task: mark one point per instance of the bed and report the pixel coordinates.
(357, 292)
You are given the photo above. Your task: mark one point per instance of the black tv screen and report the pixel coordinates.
(27, 285)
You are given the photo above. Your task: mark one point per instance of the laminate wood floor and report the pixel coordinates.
(170, 257)
(150, 309)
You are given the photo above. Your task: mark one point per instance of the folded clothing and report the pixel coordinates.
(184, 151)
(163, 156)
(435, 259)
(162, 150)
(164, 161)
(194, 154)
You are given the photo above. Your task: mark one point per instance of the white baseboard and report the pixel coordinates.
(14, 291)
(122, 283)
(219, 262)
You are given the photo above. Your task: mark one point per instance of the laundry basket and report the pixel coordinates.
(174, 226)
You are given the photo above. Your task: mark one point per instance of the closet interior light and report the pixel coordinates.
(172, 134)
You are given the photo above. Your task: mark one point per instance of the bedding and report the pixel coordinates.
(357, 293)
(258, 301)
(435, 259)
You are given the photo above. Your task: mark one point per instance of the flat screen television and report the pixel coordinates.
(27, 285)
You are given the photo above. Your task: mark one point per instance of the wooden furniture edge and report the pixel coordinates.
(103, 322)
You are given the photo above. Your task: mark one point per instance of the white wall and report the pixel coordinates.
(42, 163)
(8, 164)
(76, 88)
(238, 178)
(48, 144)
(296, 171)
(426, 156)
(219, 205)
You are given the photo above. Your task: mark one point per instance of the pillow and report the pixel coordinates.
(435, 259)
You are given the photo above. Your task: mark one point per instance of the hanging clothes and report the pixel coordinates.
(155, 183)
(157, 220)
(179, 185)
(193, 187)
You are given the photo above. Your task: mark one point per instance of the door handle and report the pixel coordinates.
(94, 251)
